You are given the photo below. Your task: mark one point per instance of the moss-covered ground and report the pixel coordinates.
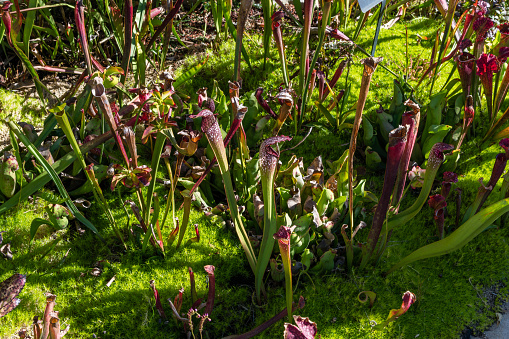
(450, 290)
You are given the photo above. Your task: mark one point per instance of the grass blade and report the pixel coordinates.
(98, 194)
(156, 157)
(29, 25)
(459, 238)
(41, 180)
(54, 176)
(189, 73)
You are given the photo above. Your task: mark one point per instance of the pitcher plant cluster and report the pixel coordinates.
(158, 149)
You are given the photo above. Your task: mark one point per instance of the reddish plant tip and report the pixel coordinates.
(269, 156)
(235, 85)
(283, 234)
(284, 97)
(208, 119)
(202, 95)
(263, 103)
(487, 65)
(504, 143)
(504, 28)
(370, 65)
(437, 202)
(408, 299)
(397, 134)
(481, 26)
(465, 43)
(503, 54)
(450, 177)
(277, 16)
(498, 169)
(465, 57)
(436, 155)
(413, 106)
(210, 269)
(6, 6)
(337, 34)
(466, 63)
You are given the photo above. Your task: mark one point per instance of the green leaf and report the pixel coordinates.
(140, 61)
(177, 36)
(189, 73)
(29, 24)
(436, 133)
(49, 197)
(326, 113)
(36, 223)
(54, 176)
(40, 87)
(156, 157)
(459, 238)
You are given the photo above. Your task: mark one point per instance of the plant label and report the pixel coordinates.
(366, 5)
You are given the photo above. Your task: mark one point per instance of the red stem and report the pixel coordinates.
(166, 21)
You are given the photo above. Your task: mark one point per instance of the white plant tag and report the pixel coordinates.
(366, 5)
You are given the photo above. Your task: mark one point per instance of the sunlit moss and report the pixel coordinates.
(16, 107)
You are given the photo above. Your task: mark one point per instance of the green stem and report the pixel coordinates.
(288, 286)
(460, 237)
(269, 228)
(185, 218)
(408, 214)
(156, 157)
(234, 211)
(171, 198)
(308, 17)
(321, 35)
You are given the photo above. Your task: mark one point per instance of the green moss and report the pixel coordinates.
(219, 67)
(126, 307)
(16, 107)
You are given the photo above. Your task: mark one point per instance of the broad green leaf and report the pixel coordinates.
(436, 133)
(459, 238)
(36, 223)
(189, 73)
(326, 113)
(54, 176)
